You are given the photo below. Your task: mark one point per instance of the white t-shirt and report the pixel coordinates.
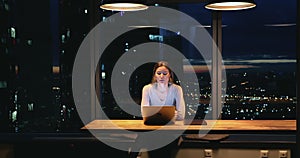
(150, 97)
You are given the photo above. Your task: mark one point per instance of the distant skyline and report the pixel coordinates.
(199, 66)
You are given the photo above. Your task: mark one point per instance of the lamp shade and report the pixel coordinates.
(123, 5)
(230, 5)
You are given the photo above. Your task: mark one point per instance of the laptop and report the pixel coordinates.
(158, 115)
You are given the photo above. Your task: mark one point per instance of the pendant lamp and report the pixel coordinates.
(123, 5)
(224, 5)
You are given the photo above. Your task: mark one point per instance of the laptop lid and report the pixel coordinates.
(158, 115)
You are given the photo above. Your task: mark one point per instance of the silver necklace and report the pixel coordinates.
(162, 95)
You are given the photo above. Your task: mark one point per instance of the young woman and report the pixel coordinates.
(163, 91)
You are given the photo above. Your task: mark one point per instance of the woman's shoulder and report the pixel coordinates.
(176, 86)
(148, 86)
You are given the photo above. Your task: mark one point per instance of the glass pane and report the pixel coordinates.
(38, 47)
(142, 74)
(259, 51)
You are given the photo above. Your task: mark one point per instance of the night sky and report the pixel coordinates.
(268, 29)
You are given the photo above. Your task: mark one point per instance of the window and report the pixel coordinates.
(38, 47)
(259, 52)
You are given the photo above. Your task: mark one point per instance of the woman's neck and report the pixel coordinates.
(162, 86)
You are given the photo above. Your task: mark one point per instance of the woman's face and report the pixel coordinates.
(162, 75)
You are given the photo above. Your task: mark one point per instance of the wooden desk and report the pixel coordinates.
(219, 125)
(242, 134)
